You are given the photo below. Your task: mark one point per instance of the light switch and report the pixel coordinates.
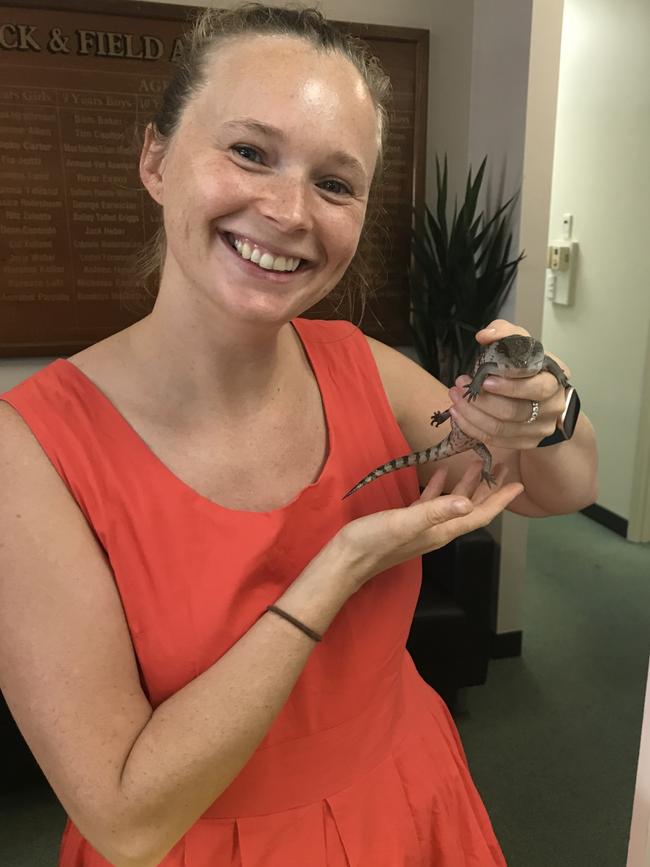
(561, 262)
(559, 256)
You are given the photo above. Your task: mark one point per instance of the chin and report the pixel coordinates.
(262, 310)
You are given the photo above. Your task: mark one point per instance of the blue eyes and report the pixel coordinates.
(239, 148)
(343, 188)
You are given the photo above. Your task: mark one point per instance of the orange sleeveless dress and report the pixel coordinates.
(363, 767)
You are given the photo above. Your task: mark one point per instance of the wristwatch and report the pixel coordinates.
(566, 424)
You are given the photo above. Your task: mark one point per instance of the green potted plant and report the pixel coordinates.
(459, 278)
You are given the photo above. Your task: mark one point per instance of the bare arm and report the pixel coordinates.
(562, 477)
(135, 780)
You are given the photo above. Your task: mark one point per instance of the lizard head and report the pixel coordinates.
(521, 351)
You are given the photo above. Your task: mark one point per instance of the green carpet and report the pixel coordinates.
(552, 739)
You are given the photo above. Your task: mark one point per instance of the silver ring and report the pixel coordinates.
(534, 413)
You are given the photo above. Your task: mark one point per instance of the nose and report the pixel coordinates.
(287, 203)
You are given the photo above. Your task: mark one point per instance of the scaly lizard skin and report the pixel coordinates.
(513, 357)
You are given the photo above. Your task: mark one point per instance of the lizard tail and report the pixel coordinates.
(396, 464)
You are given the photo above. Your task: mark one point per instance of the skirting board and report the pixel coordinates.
(506, 644)
(608, 519)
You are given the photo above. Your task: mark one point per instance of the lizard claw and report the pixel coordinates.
(471, 392)
(489, 478)
(439, 417)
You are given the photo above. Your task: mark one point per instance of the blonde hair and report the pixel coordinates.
(212, 27)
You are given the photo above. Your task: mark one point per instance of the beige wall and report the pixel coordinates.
(602, 177)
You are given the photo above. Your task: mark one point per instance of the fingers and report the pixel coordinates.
(469, 486)
(540, 387)
(483, 491)
(509, 435)
(473, 487)
(476, 420)
(497, 329)
(503, 421)
(469, 481)
(435, 485)
(485, 507)
(431, 513)
(494, 503)
(441, 522)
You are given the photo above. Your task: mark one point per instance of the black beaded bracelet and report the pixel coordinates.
(310, 632)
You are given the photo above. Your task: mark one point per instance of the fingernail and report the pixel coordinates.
(491, 382)
(461, 507)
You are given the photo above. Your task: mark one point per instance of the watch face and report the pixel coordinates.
(571, 412)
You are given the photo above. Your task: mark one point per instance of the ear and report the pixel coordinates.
(151, 164)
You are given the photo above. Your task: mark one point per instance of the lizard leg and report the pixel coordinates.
(439, 417)
(554, 368)
(473, 389)
(484, 454)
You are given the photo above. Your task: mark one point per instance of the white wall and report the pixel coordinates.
(602, 176)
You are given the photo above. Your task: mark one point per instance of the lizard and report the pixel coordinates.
(513, 357)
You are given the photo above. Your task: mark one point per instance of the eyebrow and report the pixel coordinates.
(249, 123)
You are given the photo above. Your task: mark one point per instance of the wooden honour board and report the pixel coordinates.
(75, 81)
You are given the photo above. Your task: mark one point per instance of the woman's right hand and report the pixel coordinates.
(369, 545)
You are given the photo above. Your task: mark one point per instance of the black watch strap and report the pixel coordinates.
(556, 437)
(567, 423)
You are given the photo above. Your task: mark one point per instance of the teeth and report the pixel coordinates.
(265, 260)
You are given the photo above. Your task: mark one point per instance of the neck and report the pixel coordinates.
(211, 366)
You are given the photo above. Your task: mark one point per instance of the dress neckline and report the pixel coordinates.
(151, 456)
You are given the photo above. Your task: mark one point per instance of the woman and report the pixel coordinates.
(189, 474)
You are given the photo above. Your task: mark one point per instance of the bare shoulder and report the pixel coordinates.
(67, 666)
(414, 394)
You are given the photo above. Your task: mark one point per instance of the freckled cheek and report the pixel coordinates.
(206, 202)
(345, 233)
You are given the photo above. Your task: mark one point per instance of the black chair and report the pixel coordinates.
(450, 635)
(19, 767)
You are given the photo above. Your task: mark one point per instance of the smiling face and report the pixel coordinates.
(277, 150)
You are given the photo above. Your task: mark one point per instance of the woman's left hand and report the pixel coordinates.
(499, 416)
